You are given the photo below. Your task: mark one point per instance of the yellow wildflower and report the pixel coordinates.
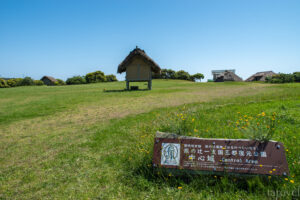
(270, 172)
(193, 120)
(292, 181)
(179, 188)
(286, 179)
(274, 170)
(263, 114)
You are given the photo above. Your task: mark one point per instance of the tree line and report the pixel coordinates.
(181, 75)
(284, 78)
(15, 82)
(93, 77)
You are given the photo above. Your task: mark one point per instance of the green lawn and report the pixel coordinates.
(95, 141)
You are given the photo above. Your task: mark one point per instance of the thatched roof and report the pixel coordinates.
(137, 52)
(49, 78)
(228, 76)
(260, 76)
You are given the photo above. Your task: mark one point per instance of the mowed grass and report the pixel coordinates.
(94, 142)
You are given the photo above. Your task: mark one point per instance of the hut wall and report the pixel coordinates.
(138, 70)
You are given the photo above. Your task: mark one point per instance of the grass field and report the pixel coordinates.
(95, 141)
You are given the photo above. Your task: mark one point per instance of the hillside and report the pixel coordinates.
(95, 141)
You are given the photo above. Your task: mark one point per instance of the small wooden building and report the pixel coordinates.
(48, 80)
(228, 76)
(138, 67)
(261, 76)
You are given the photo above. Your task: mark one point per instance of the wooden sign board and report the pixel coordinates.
(219, 155)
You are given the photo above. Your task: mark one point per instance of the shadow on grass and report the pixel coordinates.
(124, 90)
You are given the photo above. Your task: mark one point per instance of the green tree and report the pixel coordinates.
(76, 80)
(94, 77)
(183, 75)
(164, 74)
(197, 76)
(111, 78)
(281, 78)
(296, 76)
(27, 81)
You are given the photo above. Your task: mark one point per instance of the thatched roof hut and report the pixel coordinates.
(138, 53)
(228, 76)
(48, 80)
(138, 67)
(261, 76)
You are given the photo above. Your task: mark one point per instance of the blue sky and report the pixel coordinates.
(64, 38)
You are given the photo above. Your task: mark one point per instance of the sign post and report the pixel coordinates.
(219, 155)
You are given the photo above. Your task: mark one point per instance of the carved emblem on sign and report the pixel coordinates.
(170, 154)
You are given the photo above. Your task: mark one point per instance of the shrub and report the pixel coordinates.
(3, 83)
(76, 80)
(281, 78)
(183, 75)
(296, 76)
(95, 77)
(12, 82)
(111, 78)
(18, 81)
(38, 82)
(60, 82)
(26, 81)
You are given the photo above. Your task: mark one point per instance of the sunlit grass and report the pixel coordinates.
(79, 142)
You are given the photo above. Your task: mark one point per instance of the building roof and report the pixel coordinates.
(50, 78)
(137, 52)
(228, 76)
(222, 71)
(261, 74)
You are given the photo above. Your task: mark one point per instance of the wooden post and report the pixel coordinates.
(127, 85)
(150, 84)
